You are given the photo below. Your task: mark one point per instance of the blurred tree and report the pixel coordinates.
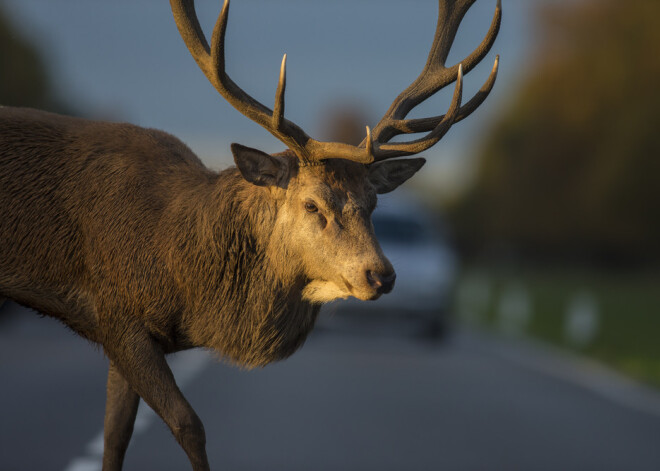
(572, 168)
(344, 121)
(23, 77)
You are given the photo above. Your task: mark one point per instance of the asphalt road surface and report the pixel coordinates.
(346, 401)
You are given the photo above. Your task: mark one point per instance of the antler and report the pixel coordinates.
(434, 77)
(375, 147)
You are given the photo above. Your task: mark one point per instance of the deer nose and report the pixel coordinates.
(383, 283)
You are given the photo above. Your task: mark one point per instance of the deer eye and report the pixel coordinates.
(311, 207)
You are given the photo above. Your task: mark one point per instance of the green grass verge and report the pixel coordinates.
(624, 332)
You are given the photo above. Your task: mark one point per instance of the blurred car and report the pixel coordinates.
(415, 241)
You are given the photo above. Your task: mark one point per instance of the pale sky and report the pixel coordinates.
(125, 60)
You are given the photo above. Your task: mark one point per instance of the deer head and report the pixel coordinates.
(325, 191)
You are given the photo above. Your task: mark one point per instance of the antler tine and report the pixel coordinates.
(484, 47)
(278, 109)
(387, 151)
(411, 126)
(435, 75)
(369, 143)
(224, 84)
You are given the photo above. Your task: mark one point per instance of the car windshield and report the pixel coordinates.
(400, 229)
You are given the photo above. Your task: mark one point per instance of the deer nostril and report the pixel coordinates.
(383, 283)
(373, 279)
(388, 282)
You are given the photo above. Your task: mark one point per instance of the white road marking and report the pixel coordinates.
(185, 366)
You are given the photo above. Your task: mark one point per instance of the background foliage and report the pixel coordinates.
(572, 168)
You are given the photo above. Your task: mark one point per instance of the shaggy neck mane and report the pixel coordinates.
(246, 305)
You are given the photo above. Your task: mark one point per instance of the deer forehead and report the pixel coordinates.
(342, 185)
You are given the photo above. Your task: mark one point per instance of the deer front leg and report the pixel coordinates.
(120, 410)
(141, 363)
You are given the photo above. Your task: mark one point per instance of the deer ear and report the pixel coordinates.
(387, 175)
(260, 168)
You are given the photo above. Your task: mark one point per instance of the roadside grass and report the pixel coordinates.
(614, 318)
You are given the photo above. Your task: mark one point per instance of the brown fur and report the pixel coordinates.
(116, 219)
(126, 237)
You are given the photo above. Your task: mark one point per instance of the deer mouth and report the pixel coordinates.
(361, 294)
(366, 293)
(323, 291)
(347, 284)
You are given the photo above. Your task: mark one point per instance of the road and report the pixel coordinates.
(346, 401)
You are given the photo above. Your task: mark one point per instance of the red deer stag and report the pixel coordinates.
(125, 236)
